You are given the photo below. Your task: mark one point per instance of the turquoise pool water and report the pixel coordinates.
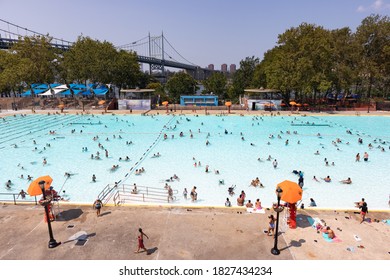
(235, 145)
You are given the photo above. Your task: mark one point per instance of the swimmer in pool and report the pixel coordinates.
(327, 179)
(346, 181)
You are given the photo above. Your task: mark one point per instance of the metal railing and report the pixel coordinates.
(125, 194)
(106, 193)
(15, 198)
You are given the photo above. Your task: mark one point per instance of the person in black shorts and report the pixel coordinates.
(98, 204)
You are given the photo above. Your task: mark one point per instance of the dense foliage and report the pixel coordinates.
(307, 61)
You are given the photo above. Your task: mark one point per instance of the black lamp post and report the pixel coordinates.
(52, 242)
(277, 209)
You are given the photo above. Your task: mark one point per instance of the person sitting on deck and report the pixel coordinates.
(249, 204)
(227, 203)
(329, 232)
(258, 204)
(240, 200)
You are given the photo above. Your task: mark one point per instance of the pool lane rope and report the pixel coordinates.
(150, 148)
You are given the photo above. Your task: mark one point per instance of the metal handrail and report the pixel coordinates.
(144, 194)
(15, 198)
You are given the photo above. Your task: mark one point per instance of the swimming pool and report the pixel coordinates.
(235, 145)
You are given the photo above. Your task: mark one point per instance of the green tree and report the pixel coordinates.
(243, 77)
(11, 69)
(126, 71)
(301, 62)
(344, 59)
(217, 84)
(372, 38)
(37, 59)
(280, 71)
(91, 60)
(179, 84)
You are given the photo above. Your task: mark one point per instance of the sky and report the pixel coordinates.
(203, 31)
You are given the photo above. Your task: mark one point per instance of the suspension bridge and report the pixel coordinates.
(156, 51)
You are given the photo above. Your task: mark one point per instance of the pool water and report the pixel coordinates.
(235, 145)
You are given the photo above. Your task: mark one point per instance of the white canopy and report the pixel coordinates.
(62, 87)
(53, 91)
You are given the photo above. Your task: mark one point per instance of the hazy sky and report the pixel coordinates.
(203, 31)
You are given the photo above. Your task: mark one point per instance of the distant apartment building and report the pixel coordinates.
(211, 67)
(224, 68)
(232, 68)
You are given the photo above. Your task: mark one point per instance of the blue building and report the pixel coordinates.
(199, 100)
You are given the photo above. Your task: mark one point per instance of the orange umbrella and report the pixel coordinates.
(101, 102)
(34, 189)
(292, 192)
(282, 104)
(293, 103)
(228, 103)
(61, 106)
(298, 105)
(165, 103)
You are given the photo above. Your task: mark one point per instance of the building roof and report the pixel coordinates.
(261, 90)
(137, 90)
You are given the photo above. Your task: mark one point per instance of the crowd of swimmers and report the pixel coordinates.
(255, 182)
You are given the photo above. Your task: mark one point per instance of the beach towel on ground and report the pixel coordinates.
(314, 222)
(327, 239)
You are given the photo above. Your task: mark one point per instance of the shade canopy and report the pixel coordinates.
(35, 189)
(165, 103)
(292, 192)
(293, 103)
(100, 91)
(228, 103)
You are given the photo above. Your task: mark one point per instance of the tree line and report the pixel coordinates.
(307, 62)
(310, 61)
(34, 60)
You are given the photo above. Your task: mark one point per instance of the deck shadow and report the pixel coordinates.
(70, 214)
(151, 251)
(302, 221)
(105, 213)
(294, 243)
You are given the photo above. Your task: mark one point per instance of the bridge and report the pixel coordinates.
(151, 50)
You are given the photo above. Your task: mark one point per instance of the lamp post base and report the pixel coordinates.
(53, 243)
(275, 251)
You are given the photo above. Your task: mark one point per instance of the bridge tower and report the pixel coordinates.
(156, 50)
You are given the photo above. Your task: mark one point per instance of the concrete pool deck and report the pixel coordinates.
(186, 234)
(188, 111)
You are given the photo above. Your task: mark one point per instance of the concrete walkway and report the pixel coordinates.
(185, 234)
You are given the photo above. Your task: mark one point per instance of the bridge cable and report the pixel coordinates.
(178, 52)
(17, 26)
